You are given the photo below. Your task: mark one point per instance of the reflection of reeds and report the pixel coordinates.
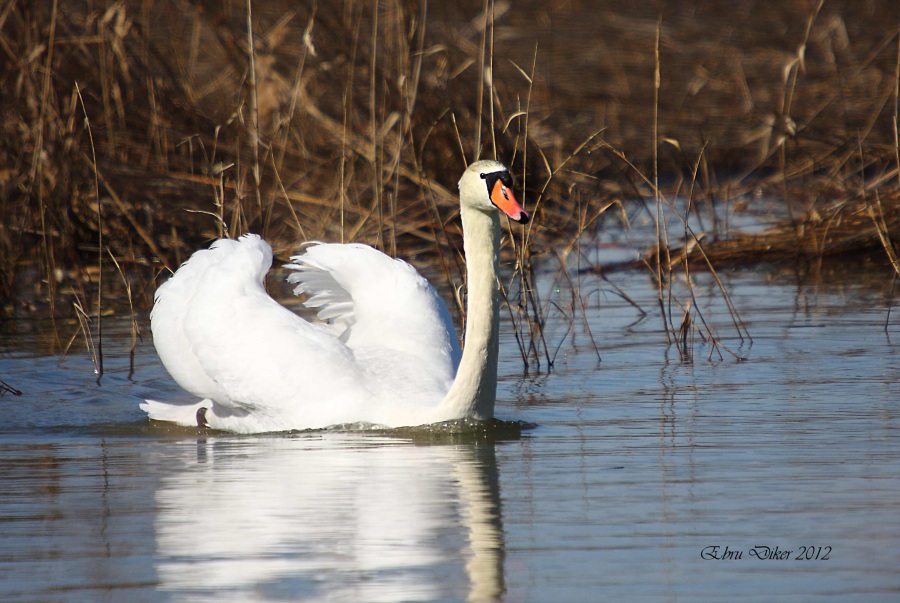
(6, 388)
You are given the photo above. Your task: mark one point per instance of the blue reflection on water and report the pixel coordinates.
(637, 464)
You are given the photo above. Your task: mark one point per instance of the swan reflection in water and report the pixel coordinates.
(329, 516)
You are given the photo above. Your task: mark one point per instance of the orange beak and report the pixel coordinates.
(505, 200)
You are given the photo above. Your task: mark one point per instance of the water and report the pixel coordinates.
(638, 478)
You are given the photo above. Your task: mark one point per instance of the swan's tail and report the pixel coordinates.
(247, 258)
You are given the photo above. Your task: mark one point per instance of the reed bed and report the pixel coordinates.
(853, 225)
(134, 132)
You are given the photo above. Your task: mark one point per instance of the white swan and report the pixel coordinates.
(387, 353)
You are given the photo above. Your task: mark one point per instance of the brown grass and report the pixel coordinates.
(146, 129)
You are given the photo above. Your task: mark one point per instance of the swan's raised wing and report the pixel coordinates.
(222, 337)
(377, 304)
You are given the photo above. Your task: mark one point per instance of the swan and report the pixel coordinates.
(384, 351)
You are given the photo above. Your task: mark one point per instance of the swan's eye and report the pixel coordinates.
(491, 178)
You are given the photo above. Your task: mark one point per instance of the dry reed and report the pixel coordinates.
(342, 122)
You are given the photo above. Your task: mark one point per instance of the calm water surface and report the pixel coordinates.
(635, 478)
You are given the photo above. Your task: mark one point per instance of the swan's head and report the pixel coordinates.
(487, 186)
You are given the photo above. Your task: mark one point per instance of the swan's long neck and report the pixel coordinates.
(475, 388)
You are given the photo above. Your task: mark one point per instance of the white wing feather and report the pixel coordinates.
(377, 303)
(171, 302)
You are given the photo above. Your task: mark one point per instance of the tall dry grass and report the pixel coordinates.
(293, 121)
(144, 129)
